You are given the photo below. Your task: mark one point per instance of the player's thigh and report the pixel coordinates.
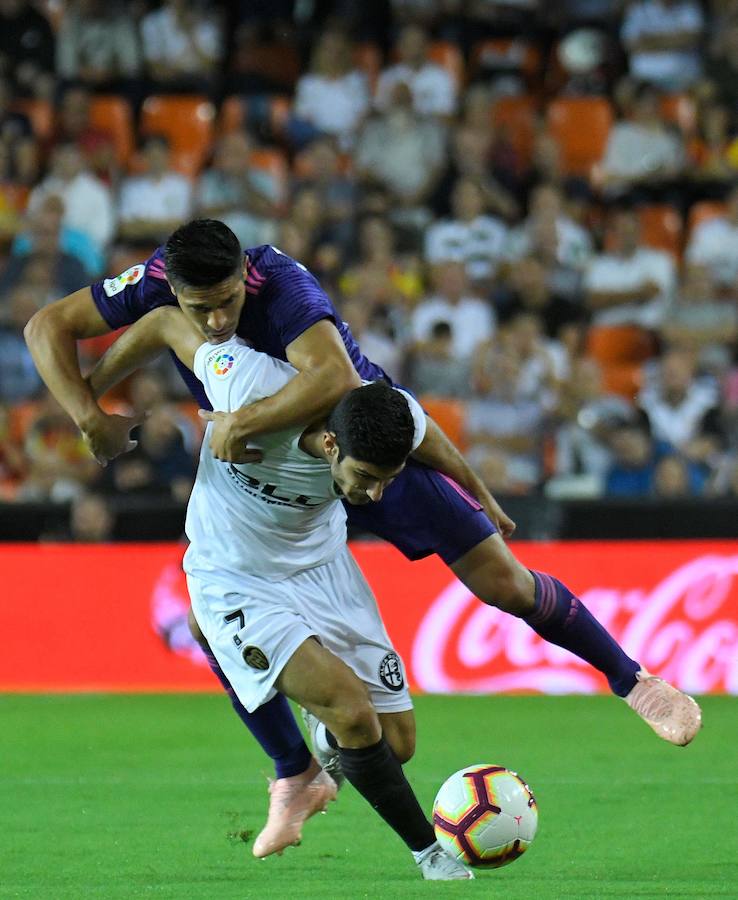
(493, 574)
(399, 730)
(321, 682)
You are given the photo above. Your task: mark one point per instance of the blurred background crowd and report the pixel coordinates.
(527, 212)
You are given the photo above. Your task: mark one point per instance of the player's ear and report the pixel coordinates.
(329, 443)
(170, 286)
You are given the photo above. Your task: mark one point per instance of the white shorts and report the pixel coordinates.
(255, 626)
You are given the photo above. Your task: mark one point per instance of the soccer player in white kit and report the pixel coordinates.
(275, 592)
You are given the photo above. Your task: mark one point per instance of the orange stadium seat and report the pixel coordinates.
(517, 119)
(580, 126)
(625, 379)
(662, 229)
(681, 110)
(619, 344)
(448, 55)
(450, 415)
(703, 212)
(187, 121)
(113, 114)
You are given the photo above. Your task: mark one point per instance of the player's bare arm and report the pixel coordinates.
(325, 374)
(52, 335)
(438, 452)
(161, 329)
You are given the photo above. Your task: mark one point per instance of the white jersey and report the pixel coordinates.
(274, 518)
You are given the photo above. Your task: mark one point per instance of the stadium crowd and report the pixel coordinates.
(526, 211)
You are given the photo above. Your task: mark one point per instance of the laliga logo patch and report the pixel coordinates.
(255, 658)
(222, 364)
(113, 286)
(390, 672)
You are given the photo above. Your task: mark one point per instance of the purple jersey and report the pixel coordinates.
(422, 512)
(282, 301)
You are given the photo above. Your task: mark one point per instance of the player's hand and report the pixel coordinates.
(502, 522)
(226, 442)
(110, 435)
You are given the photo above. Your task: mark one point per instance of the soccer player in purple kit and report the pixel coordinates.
(441, 507)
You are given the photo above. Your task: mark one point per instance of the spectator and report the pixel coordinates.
(471, 320)
(547, 214)
(479, 239)
(673, 479)
(586, 417)
(262, 63)
(504, 421)
(88, 204)
(630, 284)
(19, 380)
(701, 320)
(182, 44)
(91, 520)
(404, 155)
(333, 96)
(433, 367)
(98, 45)
(682, 410)
(643, 157)
(714, 243)
(60, 465)
(73, 126)
(19, 146)
(48, 219)
(325, 173)
(713, 152)
(721, 82)
(26, 49)
(373, 328)
(154, 203)
(45, 248)
(632, 470)
(12, 460)
(382, 276)
(159, 466)
(432, 88)
(246, 198)
(532, 287)
(662, 38)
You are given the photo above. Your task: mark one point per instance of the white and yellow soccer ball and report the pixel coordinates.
(485, 815)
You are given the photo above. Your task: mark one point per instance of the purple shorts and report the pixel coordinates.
(424, 512)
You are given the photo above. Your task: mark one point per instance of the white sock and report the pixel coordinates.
(321, 741)
(420, 855)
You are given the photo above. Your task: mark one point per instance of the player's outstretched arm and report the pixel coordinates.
(165, 328)
(325, 374)
(437, 451)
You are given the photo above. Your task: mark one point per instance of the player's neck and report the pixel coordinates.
(311, 441)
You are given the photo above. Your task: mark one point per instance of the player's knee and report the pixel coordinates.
(352, 713)
(512, 590)
(195, 630)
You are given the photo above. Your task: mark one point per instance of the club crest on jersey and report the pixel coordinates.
(113, 286)
(255, 658)
(390, 672)
(221, 363)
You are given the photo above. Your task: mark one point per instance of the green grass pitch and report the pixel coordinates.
(149, 796)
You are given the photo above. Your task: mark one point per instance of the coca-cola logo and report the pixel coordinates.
(685, 629)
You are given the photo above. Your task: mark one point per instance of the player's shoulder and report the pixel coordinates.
(151, 271)
(267, 261)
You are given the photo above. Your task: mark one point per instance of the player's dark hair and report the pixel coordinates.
(373, 424)
(202, 253)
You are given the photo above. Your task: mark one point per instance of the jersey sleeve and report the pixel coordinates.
(296, 303)
(416, 410)
(130, 295)
(234, 374)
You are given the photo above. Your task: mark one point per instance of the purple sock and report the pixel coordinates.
(562, 619)
(273, 726)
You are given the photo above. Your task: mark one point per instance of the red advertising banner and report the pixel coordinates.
(113, 618)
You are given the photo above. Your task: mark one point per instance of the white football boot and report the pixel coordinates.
(327, 756)
(437, 865)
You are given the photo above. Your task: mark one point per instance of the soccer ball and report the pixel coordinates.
(485, 815)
